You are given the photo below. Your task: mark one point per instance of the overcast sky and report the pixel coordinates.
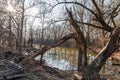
(34, 11)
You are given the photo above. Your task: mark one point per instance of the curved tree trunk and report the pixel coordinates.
(81, 42)
(103, 55)
(57, 43)
(92, 71)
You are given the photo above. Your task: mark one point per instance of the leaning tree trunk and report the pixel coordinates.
(92, 72)
(81, 42)
(46, 48)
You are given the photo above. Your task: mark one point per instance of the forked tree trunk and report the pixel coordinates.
(103, 55)
(92, 71)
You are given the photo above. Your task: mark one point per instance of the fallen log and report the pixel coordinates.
(77, 77)
(11, 75)
(13, 66)
(14, 71)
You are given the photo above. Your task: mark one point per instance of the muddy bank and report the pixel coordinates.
(33, 71)
(9, 70)
(45, 72)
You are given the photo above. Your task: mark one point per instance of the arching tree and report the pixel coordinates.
(90, 71)
(106, 21)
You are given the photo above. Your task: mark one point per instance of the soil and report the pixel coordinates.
(114, 73)
(34, 71)
(47, 73)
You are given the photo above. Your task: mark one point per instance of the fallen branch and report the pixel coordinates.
(14, 71)
(57, 43)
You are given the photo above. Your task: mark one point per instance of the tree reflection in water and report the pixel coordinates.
(65, 58)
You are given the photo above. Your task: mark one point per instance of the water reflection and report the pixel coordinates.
(65, 58)
(62, 58)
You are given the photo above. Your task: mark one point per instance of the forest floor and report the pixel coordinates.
(114, 74)
(48, 73)
(33, 71)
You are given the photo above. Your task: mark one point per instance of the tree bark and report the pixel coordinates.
(103, 55)
(21, 26)
(10, 33)
(92, 71)
(82, 46)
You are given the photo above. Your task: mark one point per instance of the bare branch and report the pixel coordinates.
(100, 17)
(92, 25)
(76, 4)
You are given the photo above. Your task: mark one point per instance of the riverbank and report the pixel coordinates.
(33, 71)
(45, 72)
(48, 73)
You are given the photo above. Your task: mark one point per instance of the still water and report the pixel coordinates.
(62, 58)
(65, 58)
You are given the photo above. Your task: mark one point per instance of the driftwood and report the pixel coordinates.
(77, 77)
(11, 75)
(14, 71)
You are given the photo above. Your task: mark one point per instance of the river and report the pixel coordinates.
(66, 58)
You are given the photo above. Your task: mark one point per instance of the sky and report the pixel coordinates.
(55, 13)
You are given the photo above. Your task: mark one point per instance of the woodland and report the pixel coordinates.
(33, 28)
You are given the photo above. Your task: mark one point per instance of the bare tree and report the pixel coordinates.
(91, 71)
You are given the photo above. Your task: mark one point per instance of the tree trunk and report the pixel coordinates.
(10, 34)
(22, 24)
(82, 46)
(103, 55)
(82, 54)
(57, 43)
(92, 71)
